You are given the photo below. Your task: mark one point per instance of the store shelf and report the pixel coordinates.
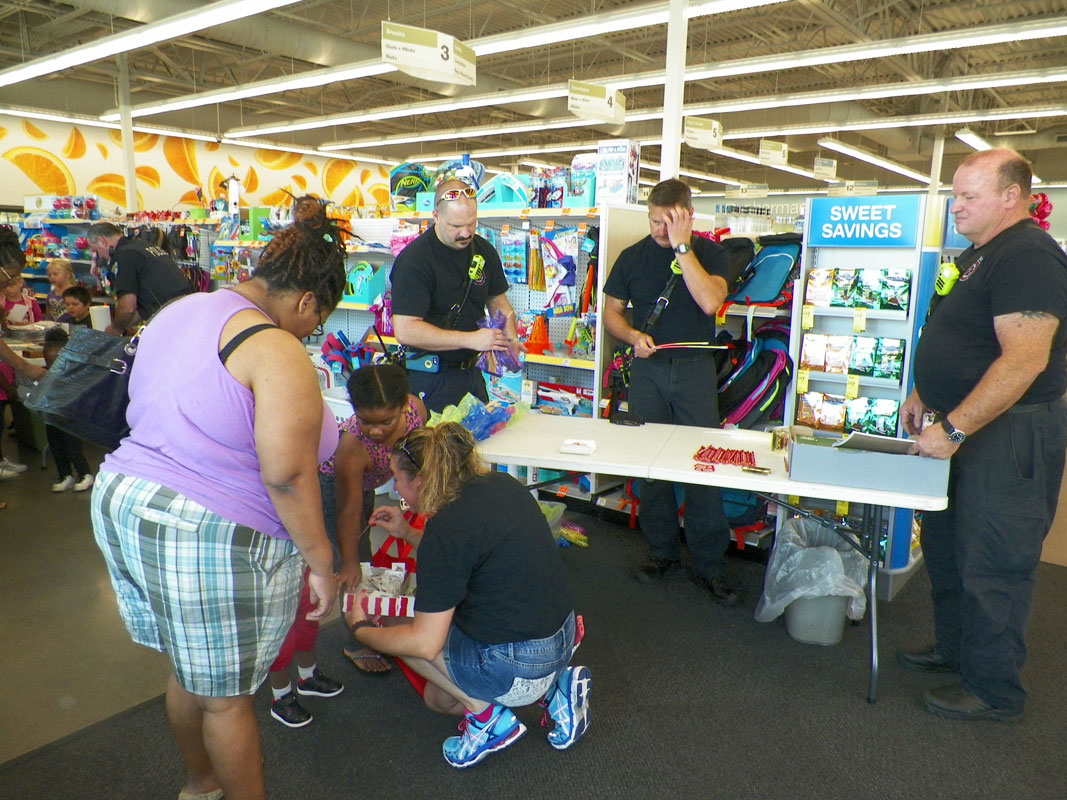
(60, 258)
(488, 212)
(759, 312)
(865, 380)
(353, 306)
(561, 361)
(251, 244)
(848, 313)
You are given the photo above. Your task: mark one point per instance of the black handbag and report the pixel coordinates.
(86, 390)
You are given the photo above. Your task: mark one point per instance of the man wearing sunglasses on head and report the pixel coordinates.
(442, 284)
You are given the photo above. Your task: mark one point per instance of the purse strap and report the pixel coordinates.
(239, 339)
(662, 302)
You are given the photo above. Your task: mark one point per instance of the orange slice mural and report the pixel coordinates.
(149, 175)
(354, 199)
(112, 187)
(276, 159)
(300, 181)
(312, 168)
(142, 142)
(181, 155)
(380, 194)
(251, 181)
(214, 180)
(335, 171)
(47, 172)
(33, 131)
(75, 146)
(278, 198)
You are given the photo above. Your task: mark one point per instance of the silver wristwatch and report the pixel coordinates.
(955, 435)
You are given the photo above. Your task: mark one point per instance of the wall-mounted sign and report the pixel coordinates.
(427, 54)
(593, 101)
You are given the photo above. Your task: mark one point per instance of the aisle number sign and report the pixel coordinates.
(750, 191)
(593, 101)
(427, 54)
(772, 152)
(703, 133)
(825, 168)
(864, 221)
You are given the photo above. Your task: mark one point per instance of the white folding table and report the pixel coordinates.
(665, 452)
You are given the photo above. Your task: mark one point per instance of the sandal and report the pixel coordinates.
(356, 658)
(187, 795)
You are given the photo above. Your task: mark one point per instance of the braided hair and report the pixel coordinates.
(307, 256)
(12, 257)
(376, 386)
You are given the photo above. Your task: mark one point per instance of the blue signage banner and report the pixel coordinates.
(879, 221)
(953, 240)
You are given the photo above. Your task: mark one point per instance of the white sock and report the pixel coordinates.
(280, 693)
(306, 672)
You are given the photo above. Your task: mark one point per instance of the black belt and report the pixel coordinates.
(466, 363)
(1051, 405)
(662, 357)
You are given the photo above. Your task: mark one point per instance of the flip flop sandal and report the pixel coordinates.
(215, 795)
(368, 673)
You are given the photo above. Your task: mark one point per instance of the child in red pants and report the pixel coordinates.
(300, 641)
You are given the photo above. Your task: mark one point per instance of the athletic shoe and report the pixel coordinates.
(9, 464)
(7, 472)
(479, 739)
(85, 483)
(64, 484)
(568, 707)
(288, 711)
(319, 685)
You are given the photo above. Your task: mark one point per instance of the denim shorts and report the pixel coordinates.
(513, 673)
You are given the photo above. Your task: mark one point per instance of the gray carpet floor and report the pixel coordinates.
(689, 700)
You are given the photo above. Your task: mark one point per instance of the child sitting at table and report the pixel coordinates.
(19, 307)
(67, 450)
(76, 300)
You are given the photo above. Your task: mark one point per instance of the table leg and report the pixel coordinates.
(872, 525)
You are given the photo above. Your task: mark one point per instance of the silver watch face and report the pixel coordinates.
(957, 437)
(682, 249)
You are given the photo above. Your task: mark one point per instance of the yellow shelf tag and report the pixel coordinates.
(581, 228)
(807, 317)
(524, 213)
(802, 381)
(564, 212)
(852, 387)
(859, 320)
(842, 508)
(593, 212)
(550, 224)
(793, 500)
(505, 229)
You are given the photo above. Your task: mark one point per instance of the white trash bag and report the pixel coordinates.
(810, 560)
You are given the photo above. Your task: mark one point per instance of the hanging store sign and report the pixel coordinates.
(771, 152)
(748, 190)
(702, 132)
(593, 101)
(427, 54)
(853, 189)
(864, 221)
(825, 168)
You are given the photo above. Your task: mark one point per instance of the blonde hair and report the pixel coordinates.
(445, 457)
(64, 265)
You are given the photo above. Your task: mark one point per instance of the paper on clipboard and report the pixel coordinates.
(873, 443)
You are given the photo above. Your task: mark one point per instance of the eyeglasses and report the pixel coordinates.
(402, 446)
(455, 194)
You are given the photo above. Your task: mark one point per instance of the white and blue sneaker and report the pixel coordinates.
(479, 739)
(568, 706)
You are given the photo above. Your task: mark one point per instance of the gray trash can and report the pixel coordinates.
(817, 579)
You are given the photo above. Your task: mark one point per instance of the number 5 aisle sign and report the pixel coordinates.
(429, 55)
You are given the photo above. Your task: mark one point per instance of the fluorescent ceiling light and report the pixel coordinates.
(871, 158)
(972, 139)
(303, 80)
(168, 28)
(51, 116)
(741, 155)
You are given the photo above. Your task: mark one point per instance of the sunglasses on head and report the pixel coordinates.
(455, 194)
(402, 446)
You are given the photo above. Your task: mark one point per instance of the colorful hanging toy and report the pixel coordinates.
(1040, 208)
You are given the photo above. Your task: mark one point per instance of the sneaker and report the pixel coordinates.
(657, 569)
(318, 684)
(85, 483)
(9, 464)
(719, 589)
(479, 739)
(6, 473)
(568, 707)
(288, 711)
(64, 484)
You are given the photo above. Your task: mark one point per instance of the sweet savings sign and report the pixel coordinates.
(880, 221)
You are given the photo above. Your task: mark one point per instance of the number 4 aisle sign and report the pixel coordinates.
(427, 54)
(593, 101)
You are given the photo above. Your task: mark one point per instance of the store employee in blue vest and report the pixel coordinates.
(675, 386)
(442, 284)
(990, 365)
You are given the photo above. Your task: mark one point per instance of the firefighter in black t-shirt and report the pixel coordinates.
(991, 370)
(440, 293)
(143, 277)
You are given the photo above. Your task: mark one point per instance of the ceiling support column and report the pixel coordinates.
(674, 90)
(129, 167)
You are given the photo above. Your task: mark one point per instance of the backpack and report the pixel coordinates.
(764, 279)
(756, 388)
(740, 250)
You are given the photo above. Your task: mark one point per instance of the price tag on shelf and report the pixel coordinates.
(842, 508)
(802, 381)
(550, 224)
(524, 213)
(593, 212)
(423, 225)
(793, 500)
(561, 491)
(564, 212)
(505, 229)
(720, 315)
(582, 227)
(807, 317)
(859, 320)
(852, 387)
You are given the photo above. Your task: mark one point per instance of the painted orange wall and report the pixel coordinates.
(42, 157)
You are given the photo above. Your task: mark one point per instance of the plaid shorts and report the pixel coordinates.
(217, 597)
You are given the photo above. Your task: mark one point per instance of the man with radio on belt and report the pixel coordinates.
(675, 282)
(442, 284)
(144, 277)
(991, 366)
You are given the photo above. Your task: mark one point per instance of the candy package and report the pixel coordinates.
(889, 362)
(867, 292)
(856, 411)
(806, 405)
(883, 416)
(830, 413)
(896, 289)
(843, 287)
(813, 351)
(838, 349)
(861, 361)
(820, 287)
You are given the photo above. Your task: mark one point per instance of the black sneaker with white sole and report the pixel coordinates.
(288, 711)
(319, 685)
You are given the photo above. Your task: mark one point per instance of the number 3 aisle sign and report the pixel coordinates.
(427, 54)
